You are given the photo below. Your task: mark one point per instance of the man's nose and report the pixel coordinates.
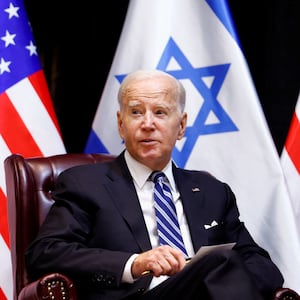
(148, 119)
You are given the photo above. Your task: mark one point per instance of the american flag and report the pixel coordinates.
(290, 161)
(28, 124)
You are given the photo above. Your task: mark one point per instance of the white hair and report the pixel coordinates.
(144, 74)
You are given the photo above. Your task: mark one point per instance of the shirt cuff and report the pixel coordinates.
(127, 275)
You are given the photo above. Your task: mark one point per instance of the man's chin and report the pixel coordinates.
(152, 159)
(151, 154)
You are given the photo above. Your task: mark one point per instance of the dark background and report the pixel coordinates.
(77, 42)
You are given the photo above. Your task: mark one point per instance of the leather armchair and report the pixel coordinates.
(29, 182)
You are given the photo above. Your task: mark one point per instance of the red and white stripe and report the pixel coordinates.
(28, 126)
(290, 161)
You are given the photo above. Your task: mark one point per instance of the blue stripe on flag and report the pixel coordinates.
(220, 8)
(94, 144)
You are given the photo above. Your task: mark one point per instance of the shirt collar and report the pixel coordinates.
(141, 173)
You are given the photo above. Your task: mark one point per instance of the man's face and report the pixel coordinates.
(150, 121)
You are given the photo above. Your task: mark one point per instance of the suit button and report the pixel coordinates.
(141, 290)
(98, 278)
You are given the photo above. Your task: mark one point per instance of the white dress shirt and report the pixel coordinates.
(144, 188)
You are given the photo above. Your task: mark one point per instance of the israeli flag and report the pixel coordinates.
(227, 133)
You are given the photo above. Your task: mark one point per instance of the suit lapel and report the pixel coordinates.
(192, 201)
(123, 193)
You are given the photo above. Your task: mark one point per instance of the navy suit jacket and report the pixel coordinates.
(96, 224)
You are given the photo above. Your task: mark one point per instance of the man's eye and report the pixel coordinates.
(136, 112)
(160, 112)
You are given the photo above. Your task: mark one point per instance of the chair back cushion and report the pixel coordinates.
(29, 184)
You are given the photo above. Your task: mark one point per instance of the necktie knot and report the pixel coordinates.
(157, 176)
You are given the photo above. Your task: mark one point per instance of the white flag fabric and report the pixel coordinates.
(227, 133)
(28, 125)
(290, 161)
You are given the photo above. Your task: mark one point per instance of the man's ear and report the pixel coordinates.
(120, 124)
(182, 126)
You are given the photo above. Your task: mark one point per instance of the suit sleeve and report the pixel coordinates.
(65, 241)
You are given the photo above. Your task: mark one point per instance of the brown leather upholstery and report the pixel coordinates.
(29, 183)
(286, 294)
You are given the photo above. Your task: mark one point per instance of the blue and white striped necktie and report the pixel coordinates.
(166, 217)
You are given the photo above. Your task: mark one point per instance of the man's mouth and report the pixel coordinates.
(148, 141)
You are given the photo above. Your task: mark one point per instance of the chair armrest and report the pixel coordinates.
(52, 286)
(60, 287)
(286, 294)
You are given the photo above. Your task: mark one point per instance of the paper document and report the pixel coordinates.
(200, 253)
(207, 249)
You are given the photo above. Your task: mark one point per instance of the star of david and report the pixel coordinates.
(208, 93)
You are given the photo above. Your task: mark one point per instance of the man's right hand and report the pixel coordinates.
(163, 260)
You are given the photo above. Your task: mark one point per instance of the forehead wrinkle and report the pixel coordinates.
(132, 103)
(136, 93)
